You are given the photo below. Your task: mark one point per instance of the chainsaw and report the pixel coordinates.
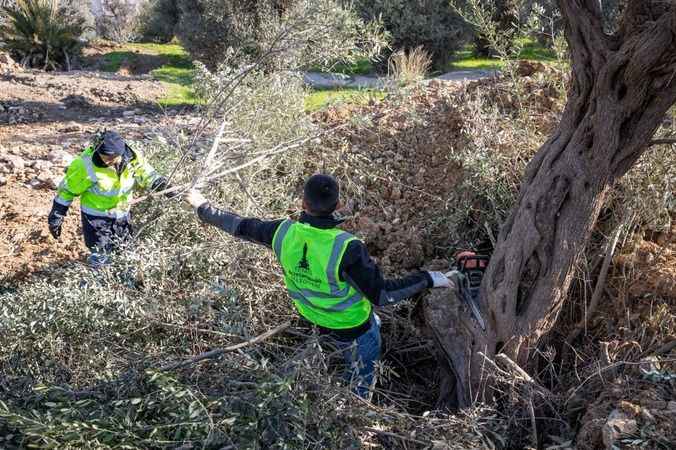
(468, 274)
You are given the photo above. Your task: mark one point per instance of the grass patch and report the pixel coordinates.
(360, 67)
(467, 60)
(173, 68)
(113, 61)
(321, 98)
(532, 50)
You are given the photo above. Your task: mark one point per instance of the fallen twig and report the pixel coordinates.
(533, 423)
(395, 435)
(611, 367)
(219, 351)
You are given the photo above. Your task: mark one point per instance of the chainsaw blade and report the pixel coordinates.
(467, 297)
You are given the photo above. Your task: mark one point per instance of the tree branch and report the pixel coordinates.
(671, 141)
(585, 31)
(219, 351)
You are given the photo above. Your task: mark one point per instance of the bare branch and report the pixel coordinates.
(397, 436)
(671, 141)
(211, 175)
(219, 351)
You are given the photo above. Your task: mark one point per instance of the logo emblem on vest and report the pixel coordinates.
(303, 264)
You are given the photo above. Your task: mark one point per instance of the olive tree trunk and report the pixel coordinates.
(621, 87)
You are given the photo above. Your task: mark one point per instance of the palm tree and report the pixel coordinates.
(41, 33)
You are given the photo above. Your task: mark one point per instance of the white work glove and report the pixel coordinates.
(195, 198)
(441, 280)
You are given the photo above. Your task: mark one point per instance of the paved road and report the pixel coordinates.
(319, 80)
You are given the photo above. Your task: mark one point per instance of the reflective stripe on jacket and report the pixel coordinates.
(103, 193)
(310, 258)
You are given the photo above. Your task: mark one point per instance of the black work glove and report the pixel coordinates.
(55, 219)
(162, 184)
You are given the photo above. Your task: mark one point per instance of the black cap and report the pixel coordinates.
(321, 194)
(111, 144)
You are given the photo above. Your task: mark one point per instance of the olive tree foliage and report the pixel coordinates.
(430, 24)
(157, 20)
(118, 20)
(212, 21)
(255, 91)
(610, 13)
(507, 43)
(6, 4)
(209, 28)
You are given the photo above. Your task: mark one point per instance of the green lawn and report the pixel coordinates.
(175, 69)
(360, 67)
(466, 59)
(319, 99)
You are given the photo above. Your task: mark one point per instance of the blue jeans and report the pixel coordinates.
(360, 357)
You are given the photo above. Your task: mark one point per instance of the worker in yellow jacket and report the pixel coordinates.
(104, 176)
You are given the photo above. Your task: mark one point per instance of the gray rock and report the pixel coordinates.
(35, 183)
(3, 181)
(42, 166)
(59, 157)
(14, 162)
(48, 180)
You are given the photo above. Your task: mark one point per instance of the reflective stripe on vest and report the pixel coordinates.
(342, 306)
(110, 214)
(94, 189)
(96, 200)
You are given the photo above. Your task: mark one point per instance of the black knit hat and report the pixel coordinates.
(321, 194)
(111, 144)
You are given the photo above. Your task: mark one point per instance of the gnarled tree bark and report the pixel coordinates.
(622, 86)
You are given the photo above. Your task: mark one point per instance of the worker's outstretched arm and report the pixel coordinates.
(250, 229)
(73, 184)
(363, 273)
(145, 175)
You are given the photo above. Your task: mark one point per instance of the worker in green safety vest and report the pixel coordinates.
(329, 275)
(104, 176)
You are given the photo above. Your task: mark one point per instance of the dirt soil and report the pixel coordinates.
(25, 243)
(35, 97)
(137, 63)
(409, 174)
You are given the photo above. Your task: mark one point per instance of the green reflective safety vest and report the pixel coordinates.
(102, 192)
(310, 258)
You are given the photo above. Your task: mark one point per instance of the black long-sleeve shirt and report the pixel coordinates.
(357, 268)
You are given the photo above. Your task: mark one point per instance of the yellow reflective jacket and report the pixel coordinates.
(104, 193)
